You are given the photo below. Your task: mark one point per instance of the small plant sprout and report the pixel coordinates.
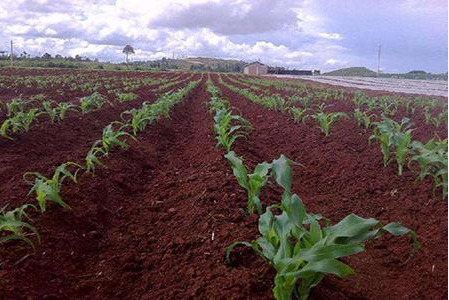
(63, 107)
(393, 137)
(48, 189)
(140, 118)
(326, 120)
(15, 105)
(362, 118)
(433, 161)
(226, 132)
(92, 102)
(298, 114)
(18, 123)
(13, 225)
(253, 183)
(50, 110)
(92, 159)
(112, 138)
(126, 97)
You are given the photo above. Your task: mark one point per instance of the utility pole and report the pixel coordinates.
(12, 54)
(378, 61)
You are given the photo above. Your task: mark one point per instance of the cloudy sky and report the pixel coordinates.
(318, 34)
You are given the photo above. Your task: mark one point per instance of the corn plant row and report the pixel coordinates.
(228, 127)
(396, 139)
(297, 89)
(387, 104)
(294, 242)
(20, 117)
(393, 137)
(78, 82)
(324, 119)
(13, 223)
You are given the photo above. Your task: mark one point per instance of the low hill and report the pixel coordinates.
(353, 71)
(365, 72)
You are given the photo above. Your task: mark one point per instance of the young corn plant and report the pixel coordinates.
(359, 99)
(48, 189)
(252, 183)
(126, 97)
(139, 118)
(440, 118)
(298, 114)
(92, 157)
(226, 132)
(63, 107)
(14, 225)
(302, 250)
(50, 110)
(304, 101)
(15, 105)
(326, 120)
(362, 118)
(112, 138)
(92, 102)
(18, 123)
(394, 138)
(432, 159)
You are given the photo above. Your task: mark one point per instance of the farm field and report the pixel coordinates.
(148, 211)
(409, 86)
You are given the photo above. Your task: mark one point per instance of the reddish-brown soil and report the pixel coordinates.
(155, 222)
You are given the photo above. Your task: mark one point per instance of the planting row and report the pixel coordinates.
(293, 242)
(21, 114)
(14, 223)
(395, 138)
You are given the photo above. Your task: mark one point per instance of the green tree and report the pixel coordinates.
(128, 50)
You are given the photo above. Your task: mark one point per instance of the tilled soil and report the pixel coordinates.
(154, 223)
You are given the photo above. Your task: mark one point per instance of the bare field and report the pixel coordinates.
(409, 86)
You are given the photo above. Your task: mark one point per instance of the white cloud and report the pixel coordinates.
(156, 29)
(330, 36)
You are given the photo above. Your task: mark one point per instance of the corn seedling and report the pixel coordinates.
(48, 189)
(440, 118)
(50, 110)
(112, 138)
(298, 114)
(18, 123)
(226, 132)
(326, 120)
(91, 159)
(13, 225)
(92, 102)
(359, 99)
(362, 118)
(126, 97)
(253, 183)
(15, 105)
(302, 251)
(63, 107)
(304, 101)
(433, 161)
(393, 137)
(139, 118)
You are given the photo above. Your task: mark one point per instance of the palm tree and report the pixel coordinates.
(128, 50)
